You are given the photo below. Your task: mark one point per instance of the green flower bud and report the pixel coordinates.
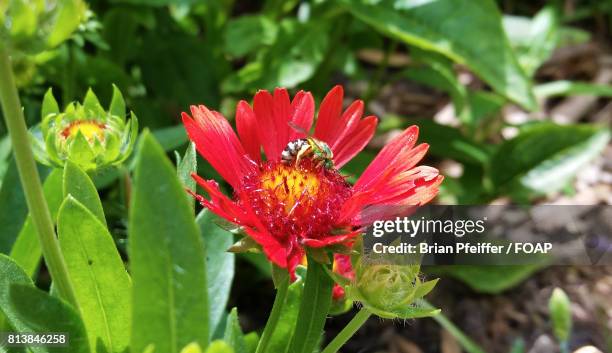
(35, 25)
(388, 288)
(85, 133)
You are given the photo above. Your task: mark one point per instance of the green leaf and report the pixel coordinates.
(233, 334)
(247, 33)
(219, 265)
(533, 39)
(279, 342)
(13, 207)
(26, 251)
(469, 32)
(101, 283)
(559, 307)
(167, 263)
(571, 88)
(185, 167)
(77, 184)
(37, 311)
(543, 158)
(68, 16)
(314, 307)
(10, 273)
(171, 137)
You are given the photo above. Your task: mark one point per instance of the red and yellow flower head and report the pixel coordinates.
(290, 198)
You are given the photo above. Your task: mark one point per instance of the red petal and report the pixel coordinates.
(302, 113)
(246, 125)
(352, 144)
(329, 126)
(218, 144)
(394, 151)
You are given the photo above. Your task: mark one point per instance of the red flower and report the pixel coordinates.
(288, 206)
(343, 267)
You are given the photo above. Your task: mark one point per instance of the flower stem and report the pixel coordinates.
(314, 308)
(348, 331)
(277, 308)
(28, 174)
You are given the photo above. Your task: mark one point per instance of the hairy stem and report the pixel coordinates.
(348, 331)
(30, 180)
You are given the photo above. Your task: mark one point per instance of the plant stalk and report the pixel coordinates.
(30, 180)
(277, 308)
(314, 308)
(348, 331)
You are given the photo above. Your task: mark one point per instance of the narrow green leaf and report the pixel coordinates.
(167, 263)
(186, 166)
(233, 333)
(281, 337)
(219, 265)
(37, 311)
(571, 88)
(26, 251)
(101, 283)
(314, 307)
(77, 184)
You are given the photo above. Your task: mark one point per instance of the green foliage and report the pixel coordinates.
(26, 249)
(434, 25)
(101, 284)
(167, 264)
(219, 266)
(544, 157)
(559, 307)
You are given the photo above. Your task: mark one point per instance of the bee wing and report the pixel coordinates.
(297, 128)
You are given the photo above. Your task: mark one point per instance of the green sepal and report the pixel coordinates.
(49, 105)
(117, 105)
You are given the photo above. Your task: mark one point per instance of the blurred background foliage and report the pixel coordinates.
(513, 96)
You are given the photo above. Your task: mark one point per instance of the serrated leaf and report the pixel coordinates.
(219, 265)
(101, 284)
(469, 32)
(167, 262)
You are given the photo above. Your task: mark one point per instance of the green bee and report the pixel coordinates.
(318, 151)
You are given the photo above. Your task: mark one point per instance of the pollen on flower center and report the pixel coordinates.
(89, 128)
(303, 200)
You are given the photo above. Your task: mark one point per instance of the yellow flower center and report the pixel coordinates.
(89, 128)
(289, 184)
